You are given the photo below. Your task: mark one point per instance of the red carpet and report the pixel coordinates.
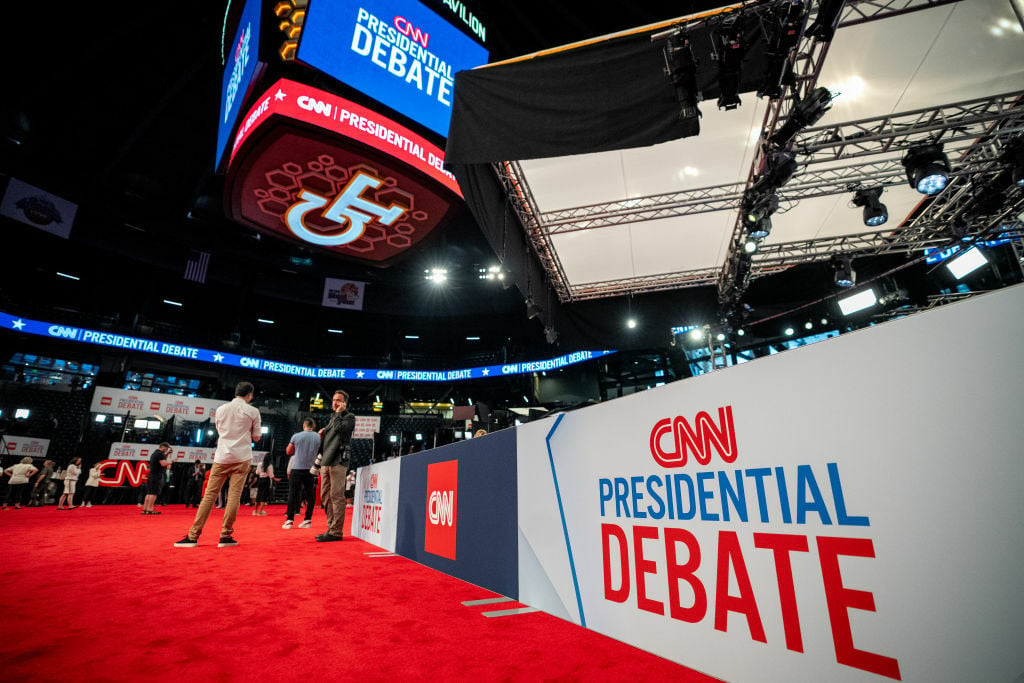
(100, 594)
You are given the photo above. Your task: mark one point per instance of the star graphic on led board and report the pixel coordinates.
(218, 357)
(18, 324)
(280, 95)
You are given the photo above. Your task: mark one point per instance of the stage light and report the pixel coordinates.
(532, 309)
(808, 325)
(682, 70)
(927, 168)
(436, 275)
(875, 212)
(760, 229)
(751, 245)
(550, 334)
(728, 52)
(101, 418)
(959, 228)
(805, 113)
(966, 263)
(631, 323)
(1014, 156)
(789, 331)
(758, 206)
(824, 25)
(785, 24)
(858, 302)
(844, 273)
(740, 333)
(696, 334)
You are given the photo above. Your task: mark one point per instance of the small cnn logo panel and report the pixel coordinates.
(442, 508)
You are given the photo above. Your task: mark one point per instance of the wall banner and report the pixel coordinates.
(376, 502)
(458, 508)
(815, 514)
(113, 401)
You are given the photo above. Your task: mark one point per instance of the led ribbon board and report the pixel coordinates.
(396, 51)
(238, 73)
(121, 341)
(309, 165)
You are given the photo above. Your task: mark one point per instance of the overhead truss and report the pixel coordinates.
(973, 132)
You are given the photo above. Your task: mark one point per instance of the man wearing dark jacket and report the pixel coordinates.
(332, 465)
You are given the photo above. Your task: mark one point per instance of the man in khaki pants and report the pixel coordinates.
(238, 426)
(332, 466)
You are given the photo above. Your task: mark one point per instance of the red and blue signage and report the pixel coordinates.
(239, 73)
(396, 51)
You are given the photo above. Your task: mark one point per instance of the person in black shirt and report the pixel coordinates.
(159, 462)
(332, 465)
(194, 484)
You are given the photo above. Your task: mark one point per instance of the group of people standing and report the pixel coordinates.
(29, 485)
(238, 426)
(323, 454)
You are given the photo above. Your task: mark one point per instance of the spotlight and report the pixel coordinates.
(1015, 156)
(759, 231)
(875, 212)
(858, 302)
(779, 166)
(927, 168)
(805, 113)
(960, 228)
(682, 69)
(728, 44)
(758, 206)
(532, 309)
(751, 245)
(966, 263)
(786, 23)
(844, 273)
(824, 25)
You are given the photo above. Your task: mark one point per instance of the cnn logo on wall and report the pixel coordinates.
(673, 439)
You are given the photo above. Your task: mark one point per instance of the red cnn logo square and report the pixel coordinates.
(442, 508)
(106, 400)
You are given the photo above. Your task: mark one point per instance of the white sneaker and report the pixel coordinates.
(305, 524)
(287, 525)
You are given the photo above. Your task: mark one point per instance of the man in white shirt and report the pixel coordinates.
(238, 426)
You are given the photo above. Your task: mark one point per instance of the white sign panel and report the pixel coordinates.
(21, 446)
(849, 511)
(375, 504)
(366, 426)
(145, 403)
(141, 451)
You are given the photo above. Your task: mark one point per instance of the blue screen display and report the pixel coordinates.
(396, 51)
(181, 351)
(238, 73)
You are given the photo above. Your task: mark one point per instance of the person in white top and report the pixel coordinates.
(19, 476)
(238, 426)
(67, 499)
(265, 484)
(91, 484)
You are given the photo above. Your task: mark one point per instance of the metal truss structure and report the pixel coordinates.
(834, 159)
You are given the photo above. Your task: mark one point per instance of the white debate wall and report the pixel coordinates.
(903, 441)
(375, 503)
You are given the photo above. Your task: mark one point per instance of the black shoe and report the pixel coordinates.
(227, 542)
(324, 538)
(187, 543)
